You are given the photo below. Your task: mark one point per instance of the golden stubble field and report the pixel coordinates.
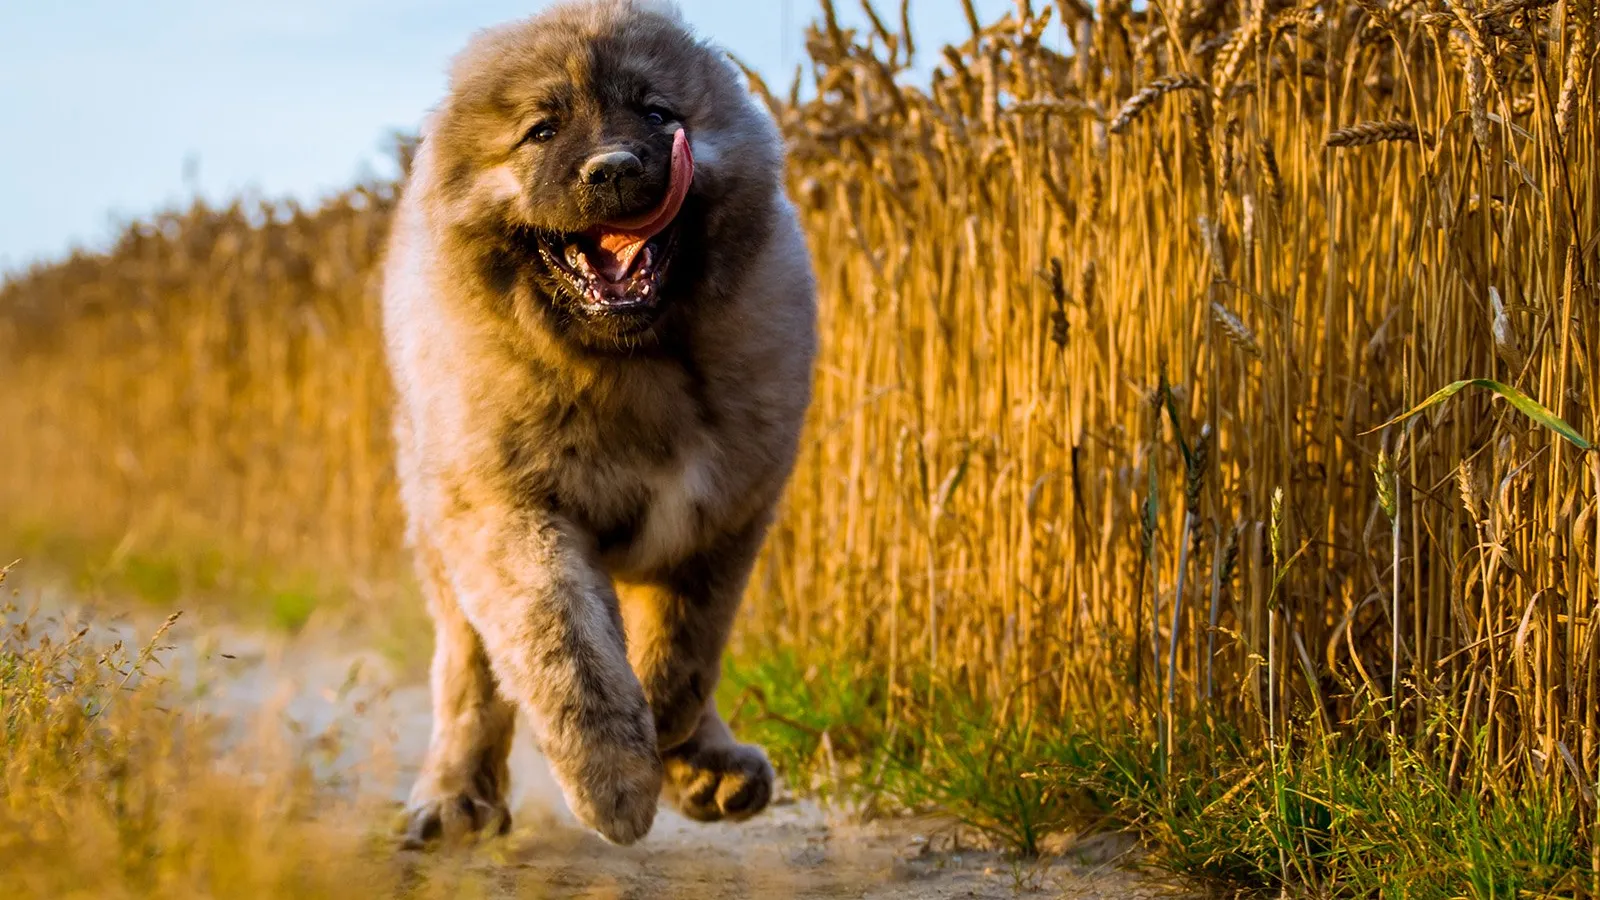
(1110, 339)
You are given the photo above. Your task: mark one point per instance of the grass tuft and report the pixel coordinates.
(113, 785)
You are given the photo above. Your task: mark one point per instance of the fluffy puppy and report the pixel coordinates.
(600, 318)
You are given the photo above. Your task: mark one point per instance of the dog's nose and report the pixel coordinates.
(611, 168)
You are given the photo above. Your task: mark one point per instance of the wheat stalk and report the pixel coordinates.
(1230, 59)
(1152, 92)
(1378, 13)
(1511, 7)
(1236, 331)
(1270, 174)
(1580, 61)
(1477, 91)
(1364, 133)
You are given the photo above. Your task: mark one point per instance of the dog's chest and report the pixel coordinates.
(648, 495)
(676, 514)
(645, 518)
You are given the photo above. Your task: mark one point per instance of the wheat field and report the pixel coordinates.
(1112, 344)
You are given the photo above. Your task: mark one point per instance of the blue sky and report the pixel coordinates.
(105, 100)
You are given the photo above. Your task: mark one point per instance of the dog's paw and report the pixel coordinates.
(441, 815)
(720, 781)
(616, 791)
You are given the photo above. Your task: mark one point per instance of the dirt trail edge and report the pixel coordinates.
(355, 712)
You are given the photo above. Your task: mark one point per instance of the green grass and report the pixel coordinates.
(199, 573)
(827, 727)
(163, 574)
(1333, 821)
(819, 722)
(291, 605)
(986, 772)
(1325, 818)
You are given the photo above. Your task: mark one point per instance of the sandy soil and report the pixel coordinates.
(365, 722)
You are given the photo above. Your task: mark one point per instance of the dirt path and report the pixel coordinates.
(366, 723)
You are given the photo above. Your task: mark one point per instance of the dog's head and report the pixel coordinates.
(599, 156)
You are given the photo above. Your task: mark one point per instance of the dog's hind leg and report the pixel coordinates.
(463, 783)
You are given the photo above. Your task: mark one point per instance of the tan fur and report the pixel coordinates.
(539, 474)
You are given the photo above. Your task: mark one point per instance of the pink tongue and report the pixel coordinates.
(620, 241)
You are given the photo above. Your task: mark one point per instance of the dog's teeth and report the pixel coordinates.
(579, 260)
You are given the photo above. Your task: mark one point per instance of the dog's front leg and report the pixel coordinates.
(547, 615)
(677, 629)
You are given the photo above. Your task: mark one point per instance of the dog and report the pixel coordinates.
(600, 318)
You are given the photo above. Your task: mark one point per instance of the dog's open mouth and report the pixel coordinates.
(604, 283)
(620, 266)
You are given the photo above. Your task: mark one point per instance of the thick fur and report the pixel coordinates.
(586, 499)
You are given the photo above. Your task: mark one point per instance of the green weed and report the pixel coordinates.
(1326, 818)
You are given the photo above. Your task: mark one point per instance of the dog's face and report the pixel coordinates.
(567, 153)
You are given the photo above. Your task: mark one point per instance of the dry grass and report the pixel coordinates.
(113, 785)
(216, 380)
(1031, 328)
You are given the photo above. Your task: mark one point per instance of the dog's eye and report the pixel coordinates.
(658, 116)
(542, 132)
